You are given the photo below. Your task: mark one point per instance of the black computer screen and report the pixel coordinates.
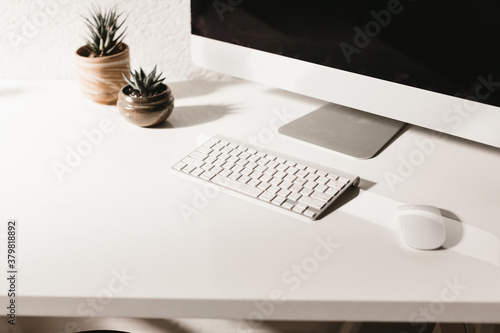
(449, 47)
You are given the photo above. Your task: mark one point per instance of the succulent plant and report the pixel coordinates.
(146, 85)
(103, 28)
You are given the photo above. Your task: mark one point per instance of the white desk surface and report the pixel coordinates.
(118, 213)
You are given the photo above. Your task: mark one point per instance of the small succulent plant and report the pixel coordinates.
(145, 85)
(103, 39)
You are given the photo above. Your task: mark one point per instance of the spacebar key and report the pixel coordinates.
(236, 186)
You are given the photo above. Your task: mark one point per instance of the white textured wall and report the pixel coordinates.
(39, 37)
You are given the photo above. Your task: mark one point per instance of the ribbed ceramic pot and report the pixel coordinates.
(146, 111)
(101, 77)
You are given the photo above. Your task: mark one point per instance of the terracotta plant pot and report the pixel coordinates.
(146, 111)
(101, 77)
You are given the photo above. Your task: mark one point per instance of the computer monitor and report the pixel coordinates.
(434, 64)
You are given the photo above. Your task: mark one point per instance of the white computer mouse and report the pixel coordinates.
(422, 226)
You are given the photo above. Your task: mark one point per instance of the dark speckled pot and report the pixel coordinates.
(146, 111)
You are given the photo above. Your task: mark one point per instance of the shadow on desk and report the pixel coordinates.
(184, 116)
(193, 88)
(347, 196)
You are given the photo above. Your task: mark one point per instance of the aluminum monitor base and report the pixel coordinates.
(348, 131)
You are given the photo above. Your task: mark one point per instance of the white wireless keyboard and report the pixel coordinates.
(277, 181)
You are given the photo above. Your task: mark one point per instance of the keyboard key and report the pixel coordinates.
(197, 171)
(265, 177)
(210, 159)
(306, 191)
(253, 182)
(237, 186)
(253, 158)
(287, 204)
(215, 153)
(263, 185)
(294, 196)
(321, 188)
(237, 168)
(235, 175)
(260, 154)
(256, 175)
(332, 176)
(309, 213)
(209, 144)
(272, 164)
(179, 166)
(267, 196)
(315, 203)
(335, 183)
(300, 181)
(251, 165)
(242, 162)
(320, 196)
(284, 192)
(312, 176)
(244, 179)
(204, 150)
(260, 168)
(320, 173)
(295, 188)
(343, 180)
(278, 200)
(322, 180)
(226, 150)
(275, 181)
(207, 175)
(301, 173)
(270, 171)
(207, 166)
(274, 189)
(280, 174)
(299, 208)
(262, 161)
(188, 168)
(332, 191)
(193, 161)
(281, 167)
(310, 184)
(246, 171)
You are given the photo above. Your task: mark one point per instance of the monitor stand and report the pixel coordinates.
(348, 131)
